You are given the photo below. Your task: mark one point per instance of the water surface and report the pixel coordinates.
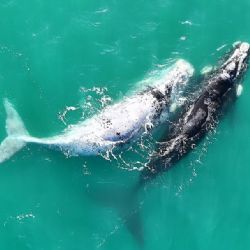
(50, 53)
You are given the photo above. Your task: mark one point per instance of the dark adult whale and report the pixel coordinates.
(201, 115)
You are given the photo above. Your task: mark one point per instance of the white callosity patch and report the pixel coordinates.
(236, 61)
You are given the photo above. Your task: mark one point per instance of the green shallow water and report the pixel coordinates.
(49, 52)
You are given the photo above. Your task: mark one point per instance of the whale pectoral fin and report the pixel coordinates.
(206, 70)
(239, 90)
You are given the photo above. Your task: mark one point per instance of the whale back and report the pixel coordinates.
(126, 120)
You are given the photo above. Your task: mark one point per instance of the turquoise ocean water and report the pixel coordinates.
(59, 54)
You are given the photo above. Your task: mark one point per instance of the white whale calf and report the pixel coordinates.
(115, 125)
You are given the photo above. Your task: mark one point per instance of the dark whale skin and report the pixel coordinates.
(200, 116)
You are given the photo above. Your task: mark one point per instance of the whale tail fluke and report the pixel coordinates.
(15, 130)
(127, 206)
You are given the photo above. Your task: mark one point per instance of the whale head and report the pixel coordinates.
(180, 76)
(236, 64)
(176, 76)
